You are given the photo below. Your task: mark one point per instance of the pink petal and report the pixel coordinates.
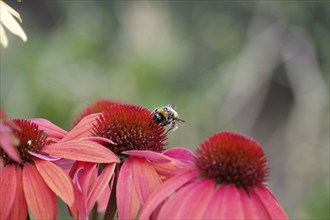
(7, 140)
(82, 174)
(44, 157)
(190, 202)
(164, 191)
(99, 140)
(165, 165)
(98, 187)
(253, 208)
(4, 117)
(269, 202)
(19, 209)
(102, 202)
(49, 128)
(40, 199)
(8, 183)
(56, 179)
(83, 128)
(146, 183)
(128, 203)
(2, 163)
(78, 210)
(65, 164)
(82, 150)
(182, 154)
(150, 155)
(226, 203)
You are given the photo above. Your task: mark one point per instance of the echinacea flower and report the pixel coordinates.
(7, 19)
(34, 181)
(227, 183)
(139, 141)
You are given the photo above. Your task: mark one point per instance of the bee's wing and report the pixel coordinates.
(172, 106)
(180, 120)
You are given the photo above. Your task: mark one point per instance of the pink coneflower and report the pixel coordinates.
(139, 142)
(227, 183)
(34, 181)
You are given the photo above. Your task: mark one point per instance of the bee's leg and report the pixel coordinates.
(173, 127)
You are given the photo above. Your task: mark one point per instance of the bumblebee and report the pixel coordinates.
(167, 116)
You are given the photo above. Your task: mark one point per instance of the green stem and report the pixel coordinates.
(112, 203)
(94, 213)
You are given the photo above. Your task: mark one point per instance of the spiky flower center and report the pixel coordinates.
(131, 128)
(30, 139)
(232, 158)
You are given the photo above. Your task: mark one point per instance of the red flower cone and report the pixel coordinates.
(226, 183)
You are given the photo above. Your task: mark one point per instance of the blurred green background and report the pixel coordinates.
(256, 67)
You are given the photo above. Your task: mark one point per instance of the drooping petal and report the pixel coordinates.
(190, 202)
(19, 209)
(9, 21)
(268, 200)
(164, 191)
(49, 128)
(98, 187)
(3, 37)
(165, 165)
(2, 163)
(81, 150)
(4, 117)
(56, 179)
(182, 154)
(44, 157)
(81, 173)
(8, 141)
(40, 199)
(128, 202)
(253, 208)
(100, 140)
(146, 183)
(102, 202)
(65, 164)
(8, 185)
(83, 128)
(226, 203)
(150, 155)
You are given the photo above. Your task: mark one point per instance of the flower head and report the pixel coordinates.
(130, 127)
(34, 181)
(139, 141)
(31, 139)
(231, 158)
(227, 183)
